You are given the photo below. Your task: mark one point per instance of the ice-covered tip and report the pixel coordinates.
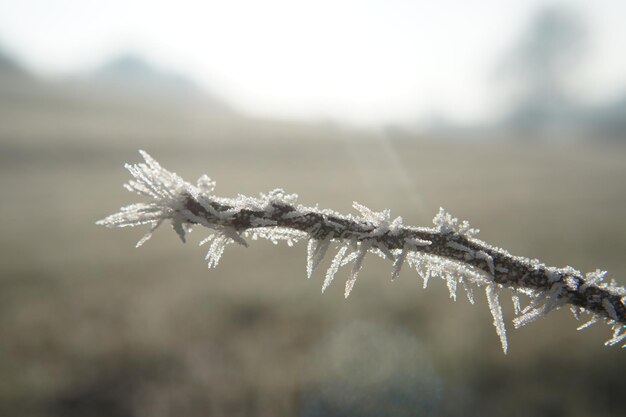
(149, 159)
(167, 193)
(356, 266)
(496, 312)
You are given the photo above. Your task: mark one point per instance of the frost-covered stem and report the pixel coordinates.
(448, 250)
(507, 270)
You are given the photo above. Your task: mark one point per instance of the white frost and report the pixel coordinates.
(593, 320)
(496, 312)
(593, 278)
(334, 267)
(216, 250)
(397, 264)
(447, 224)
(356, 267)
(457, 246)
(316, 251)
(618, 336)
(487, 258)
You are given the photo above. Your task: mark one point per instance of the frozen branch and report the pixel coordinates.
(449, 250)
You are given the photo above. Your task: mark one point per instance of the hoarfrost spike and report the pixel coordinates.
(496, 313)
(356, 267)
(397, 264)
(334, 267)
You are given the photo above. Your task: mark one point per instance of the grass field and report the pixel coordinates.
(91, 326)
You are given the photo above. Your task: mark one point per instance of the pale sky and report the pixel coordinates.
(357, 61)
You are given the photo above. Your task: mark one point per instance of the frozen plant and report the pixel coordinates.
(449, 250)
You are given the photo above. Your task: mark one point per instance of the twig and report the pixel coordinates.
(449, 250)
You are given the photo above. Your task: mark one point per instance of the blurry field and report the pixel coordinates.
(90, 326)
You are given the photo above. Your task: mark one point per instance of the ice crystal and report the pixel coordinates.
(334, 267)
(356, 266)
(397, 263)
(593, 278)
(216, 250)
(619, 334)
(496, 313)
(316, 252)
(593, 320)
(517, 308)
(446, 223)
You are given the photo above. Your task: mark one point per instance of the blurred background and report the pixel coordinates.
(510, 114)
